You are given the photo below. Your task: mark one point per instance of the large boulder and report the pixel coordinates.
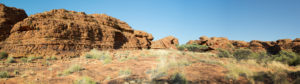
(285, 43)
(8, 17)
(63, 32)
(169, 42)
(240, 44)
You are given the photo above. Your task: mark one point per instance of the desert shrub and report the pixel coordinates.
(224, 53)
(211, 61)
(10, 60)
(296, 61)
(236, 71)
(161, 69)
(178, 78)
(51, 58)
(180, 47)
(272, 77)
(278, 74)
(88, 56)
(3, 55)
(23, 59)
(192, 47)
(125, 72)
(30, 58)
(104, 56)
(85, 80)
(72, 69)
(242, 54)
(287, 57)
(262, 57)
(4, 74)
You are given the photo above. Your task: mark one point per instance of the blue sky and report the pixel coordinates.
(246, 20)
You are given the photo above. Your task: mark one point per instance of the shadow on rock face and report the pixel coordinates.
(119, 40)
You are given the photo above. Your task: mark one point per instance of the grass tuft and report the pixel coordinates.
(235, 71)
(104, 56)
(85, 80)
(125, 72)
(51, 58)
(72, 69)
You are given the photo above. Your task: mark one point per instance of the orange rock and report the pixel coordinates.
(240, 44)
(165, 43)
(8, 17)
(190, 42)
(63, 32)
(296, 40)
(255, 45)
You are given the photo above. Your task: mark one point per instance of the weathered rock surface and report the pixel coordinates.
(8, 17)
(255, 45)
(169, 42)
(213, 42)
(63, 32)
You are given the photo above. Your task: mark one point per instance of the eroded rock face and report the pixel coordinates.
(169, 42)
(8, 17)
(63, 32)
(272, 47)
(213, 42)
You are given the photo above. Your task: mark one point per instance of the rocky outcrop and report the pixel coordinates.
(213, 42)
(272, 47)
(8, 17)
(63, 32)
(169, 42)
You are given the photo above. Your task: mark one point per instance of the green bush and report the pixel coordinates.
(10, 60)
(4, 74)
(89, 56)
(287, 57)
(3, 55)
(242, 54)
(178, 78)
(224, 53)
(192, 47)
